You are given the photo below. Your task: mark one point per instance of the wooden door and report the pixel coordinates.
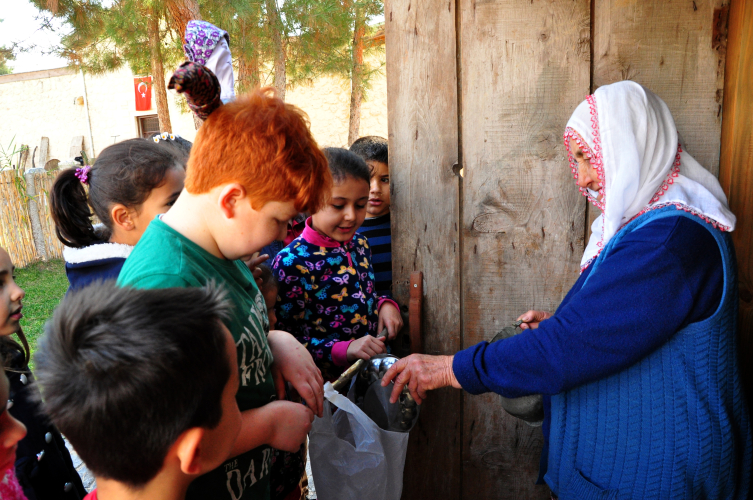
(493, 83)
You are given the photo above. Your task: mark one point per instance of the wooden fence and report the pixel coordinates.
(27, 231)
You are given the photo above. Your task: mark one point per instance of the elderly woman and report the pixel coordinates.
(639, 364)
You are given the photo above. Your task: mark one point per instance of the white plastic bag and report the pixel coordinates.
(351, 457)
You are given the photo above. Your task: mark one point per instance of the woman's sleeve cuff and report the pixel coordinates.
(340, 353)
(465, 371)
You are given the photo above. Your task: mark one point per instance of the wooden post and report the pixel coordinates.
(423, 145)
(77, 145)
(44, 151)
(736, 171)
(416, 293)
(36, 224)
(23, 158)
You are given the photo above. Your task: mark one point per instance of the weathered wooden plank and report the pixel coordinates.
(736, 170)
(524, 67)
(423, 142)
(44, 152)
(677, 49)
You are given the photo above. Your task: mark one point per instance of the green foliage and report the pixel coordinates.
(7, 154)
(106, 35)
(6, 54)
(317, 35)
(45, 285)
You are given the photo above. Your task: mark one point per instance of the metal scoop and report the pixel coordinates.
(367, 392)
(530, 408)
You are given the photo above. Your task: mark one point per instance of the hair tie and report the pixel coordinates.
(164, 136)
(83, 174)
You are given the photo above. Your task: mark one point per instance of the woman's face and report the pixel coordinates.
(10, 297)
(11, 430)
(588, 177)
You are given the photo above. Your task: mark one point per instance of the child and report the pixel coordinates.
(143, 384)
(131, 182)
(376, 227)
(43, 465)
(327, 297)
(11, 432)
(254, 166)
(287, 468)
(268, 288)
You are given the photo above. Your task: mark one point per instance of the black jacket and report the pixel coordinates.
(43, 465)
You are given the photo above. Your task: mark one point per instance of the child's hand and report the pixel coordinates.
(389, 318)
(531, 319)
(365, 348)
(291, 424)
(293, 363)
(253, 265)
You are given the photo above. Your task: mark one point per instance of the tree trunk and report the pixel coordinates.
(158, 73)
(275, 25)
(182, 11)
(248, 64)
(357, 76)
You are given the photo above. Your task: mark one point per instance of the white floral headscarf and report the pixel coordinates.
(630, 137)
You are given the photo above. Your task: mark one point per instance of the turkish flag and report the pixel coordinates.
(143, 89)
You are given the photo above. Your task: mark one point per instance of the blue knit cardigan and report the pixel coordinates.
(672, 426)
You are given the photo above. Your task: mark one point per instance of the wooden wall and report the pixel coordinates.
(508, 235)
(423, 137)
(522, 216)
(736, 173)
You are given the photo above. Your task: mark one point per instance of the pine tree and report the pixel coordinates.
(6, 54)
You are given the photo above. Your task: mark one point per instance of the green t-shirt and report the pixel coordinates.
(164, 258)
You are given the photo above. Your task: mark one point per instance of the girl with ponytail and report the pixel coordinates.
(130, 183)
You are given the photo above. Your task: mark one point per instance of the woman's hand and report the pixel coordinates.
(365, 348)
(389, 318)
(531, 319)
(421, 373)
(294, 364)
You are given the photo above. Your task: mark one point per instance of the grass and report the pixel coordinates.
(45, 284)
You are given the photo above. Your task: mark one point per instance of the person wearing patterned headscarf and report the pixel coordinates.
(638, 365)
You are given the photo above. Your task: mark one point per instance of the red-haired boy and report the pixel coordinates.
(253, 167)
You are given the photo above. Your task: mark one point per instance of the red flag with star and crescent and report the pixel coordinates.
(143, 89)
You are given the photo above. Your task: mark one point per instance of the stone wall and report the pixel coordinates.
(45, 104)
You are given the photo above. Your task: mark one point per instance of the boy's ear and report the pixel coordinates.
(188, 450)
(229, 198)
(121, 217)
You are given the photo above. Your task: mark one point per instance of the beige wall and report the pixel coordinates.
(43, 104)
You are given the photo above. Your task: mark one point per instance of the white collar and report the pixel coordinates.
(98, 251)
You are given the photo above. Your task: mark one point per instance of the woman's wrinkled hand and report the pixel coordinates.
(531, 319)
(421, 373)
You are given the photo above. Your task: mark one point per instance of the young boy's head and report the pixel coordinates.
(346, 208)
(142, 382)
(373, 150)
(269, 288)
(260, 166)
